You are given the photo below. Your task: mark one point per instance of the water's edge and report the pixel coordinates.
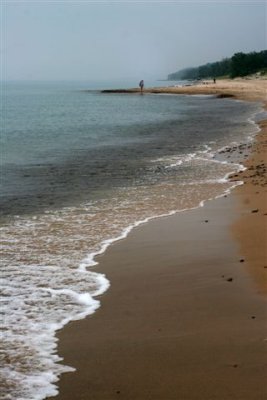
(91, 302)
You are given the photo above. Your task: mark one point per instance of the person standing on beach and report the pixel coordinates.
(141, 85)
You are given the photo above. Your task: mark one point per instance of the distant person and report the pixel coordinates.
(214, 80)
(141, 85)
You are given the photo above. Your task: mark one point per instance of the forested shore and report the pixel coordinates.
(240, 64)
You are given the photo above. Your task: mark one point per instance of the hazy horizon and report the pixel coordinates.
(115, 40)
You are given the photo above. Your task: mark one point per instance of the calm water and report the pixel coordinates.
(79, 170)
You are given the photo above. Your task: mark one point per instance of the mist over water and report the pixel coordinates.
(79, 170)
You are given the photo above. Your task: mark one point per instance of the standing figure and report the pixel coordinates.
(141, 85)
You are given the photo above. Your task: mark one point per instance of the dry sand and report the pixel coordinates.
(185, 317)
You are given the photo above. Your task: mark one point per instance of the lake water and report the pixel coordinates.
(79, 170)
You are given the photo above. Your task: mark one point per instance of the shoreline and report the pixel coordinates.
(242, 89)
(81, 342)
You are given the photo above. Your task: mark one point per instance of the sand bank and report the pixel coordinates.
(185, 317)
(245, 89)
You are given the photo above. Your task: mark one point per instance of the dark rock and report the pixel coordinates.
(224, 95)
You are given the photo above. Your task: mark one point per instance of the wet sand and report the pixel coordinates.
(185, 317)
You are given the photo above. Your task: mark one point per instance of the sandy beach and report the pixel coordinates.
(185, 316)
(243, 89)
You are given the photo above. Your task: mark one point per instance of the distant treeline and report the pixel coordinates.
(240, 64)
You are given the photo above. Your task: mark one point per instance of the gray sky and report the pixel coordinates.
(47, 40)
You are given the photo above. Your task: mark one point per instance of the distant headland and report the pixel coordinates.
(239, 65)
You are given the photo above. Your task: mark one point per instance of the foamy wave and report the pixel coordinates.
(38, 300)
(177, 160)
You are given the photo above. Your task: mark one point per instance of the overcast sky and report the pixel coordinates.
(86, 40)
